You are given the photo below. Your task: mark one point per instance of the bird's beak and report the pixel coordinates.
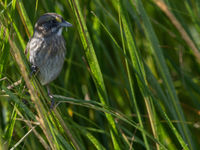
(65, 24)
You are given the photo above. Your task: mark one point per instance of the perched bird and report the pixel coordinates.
(47, 47)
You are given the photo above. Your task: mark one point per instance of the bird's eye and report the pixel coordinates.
(52, 21)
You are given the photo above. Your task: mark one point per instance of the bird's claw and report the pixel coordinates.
(51, 97)
(34, 69)
(52, 102)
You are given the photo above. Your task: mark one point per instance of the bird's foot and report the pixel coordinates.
(34, 69)
(52, 101)
(51, 97)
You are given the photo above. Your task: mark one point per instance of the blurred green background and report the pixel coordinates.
(130, 78)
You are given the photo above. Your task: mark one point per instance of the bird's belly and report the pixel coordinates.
(48, 58)
(50, 69)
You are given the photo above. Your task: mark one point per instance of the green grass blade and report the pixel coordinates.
(122, 19)
(26, 21)
(94, 66)
(157, 51)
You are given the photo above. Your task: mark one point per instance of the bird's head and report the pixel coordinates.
(50, 24)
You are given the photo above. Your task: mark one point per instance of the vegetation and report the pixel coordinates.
(130, 79)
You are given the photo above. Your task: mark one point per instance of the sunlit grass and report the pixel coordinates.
(130, 79)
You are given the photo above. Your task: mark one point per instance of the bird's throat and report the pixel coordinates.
(59, 32)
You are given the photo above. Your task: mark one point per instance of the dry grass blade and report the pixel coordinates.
(34, 96)
(21, 140)
(66, 129)
(179, 27)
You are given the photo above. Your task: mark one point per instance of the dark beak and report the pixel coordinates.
(65, 24)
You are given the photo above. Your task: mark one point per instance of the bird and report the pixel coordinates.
(47, 48)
